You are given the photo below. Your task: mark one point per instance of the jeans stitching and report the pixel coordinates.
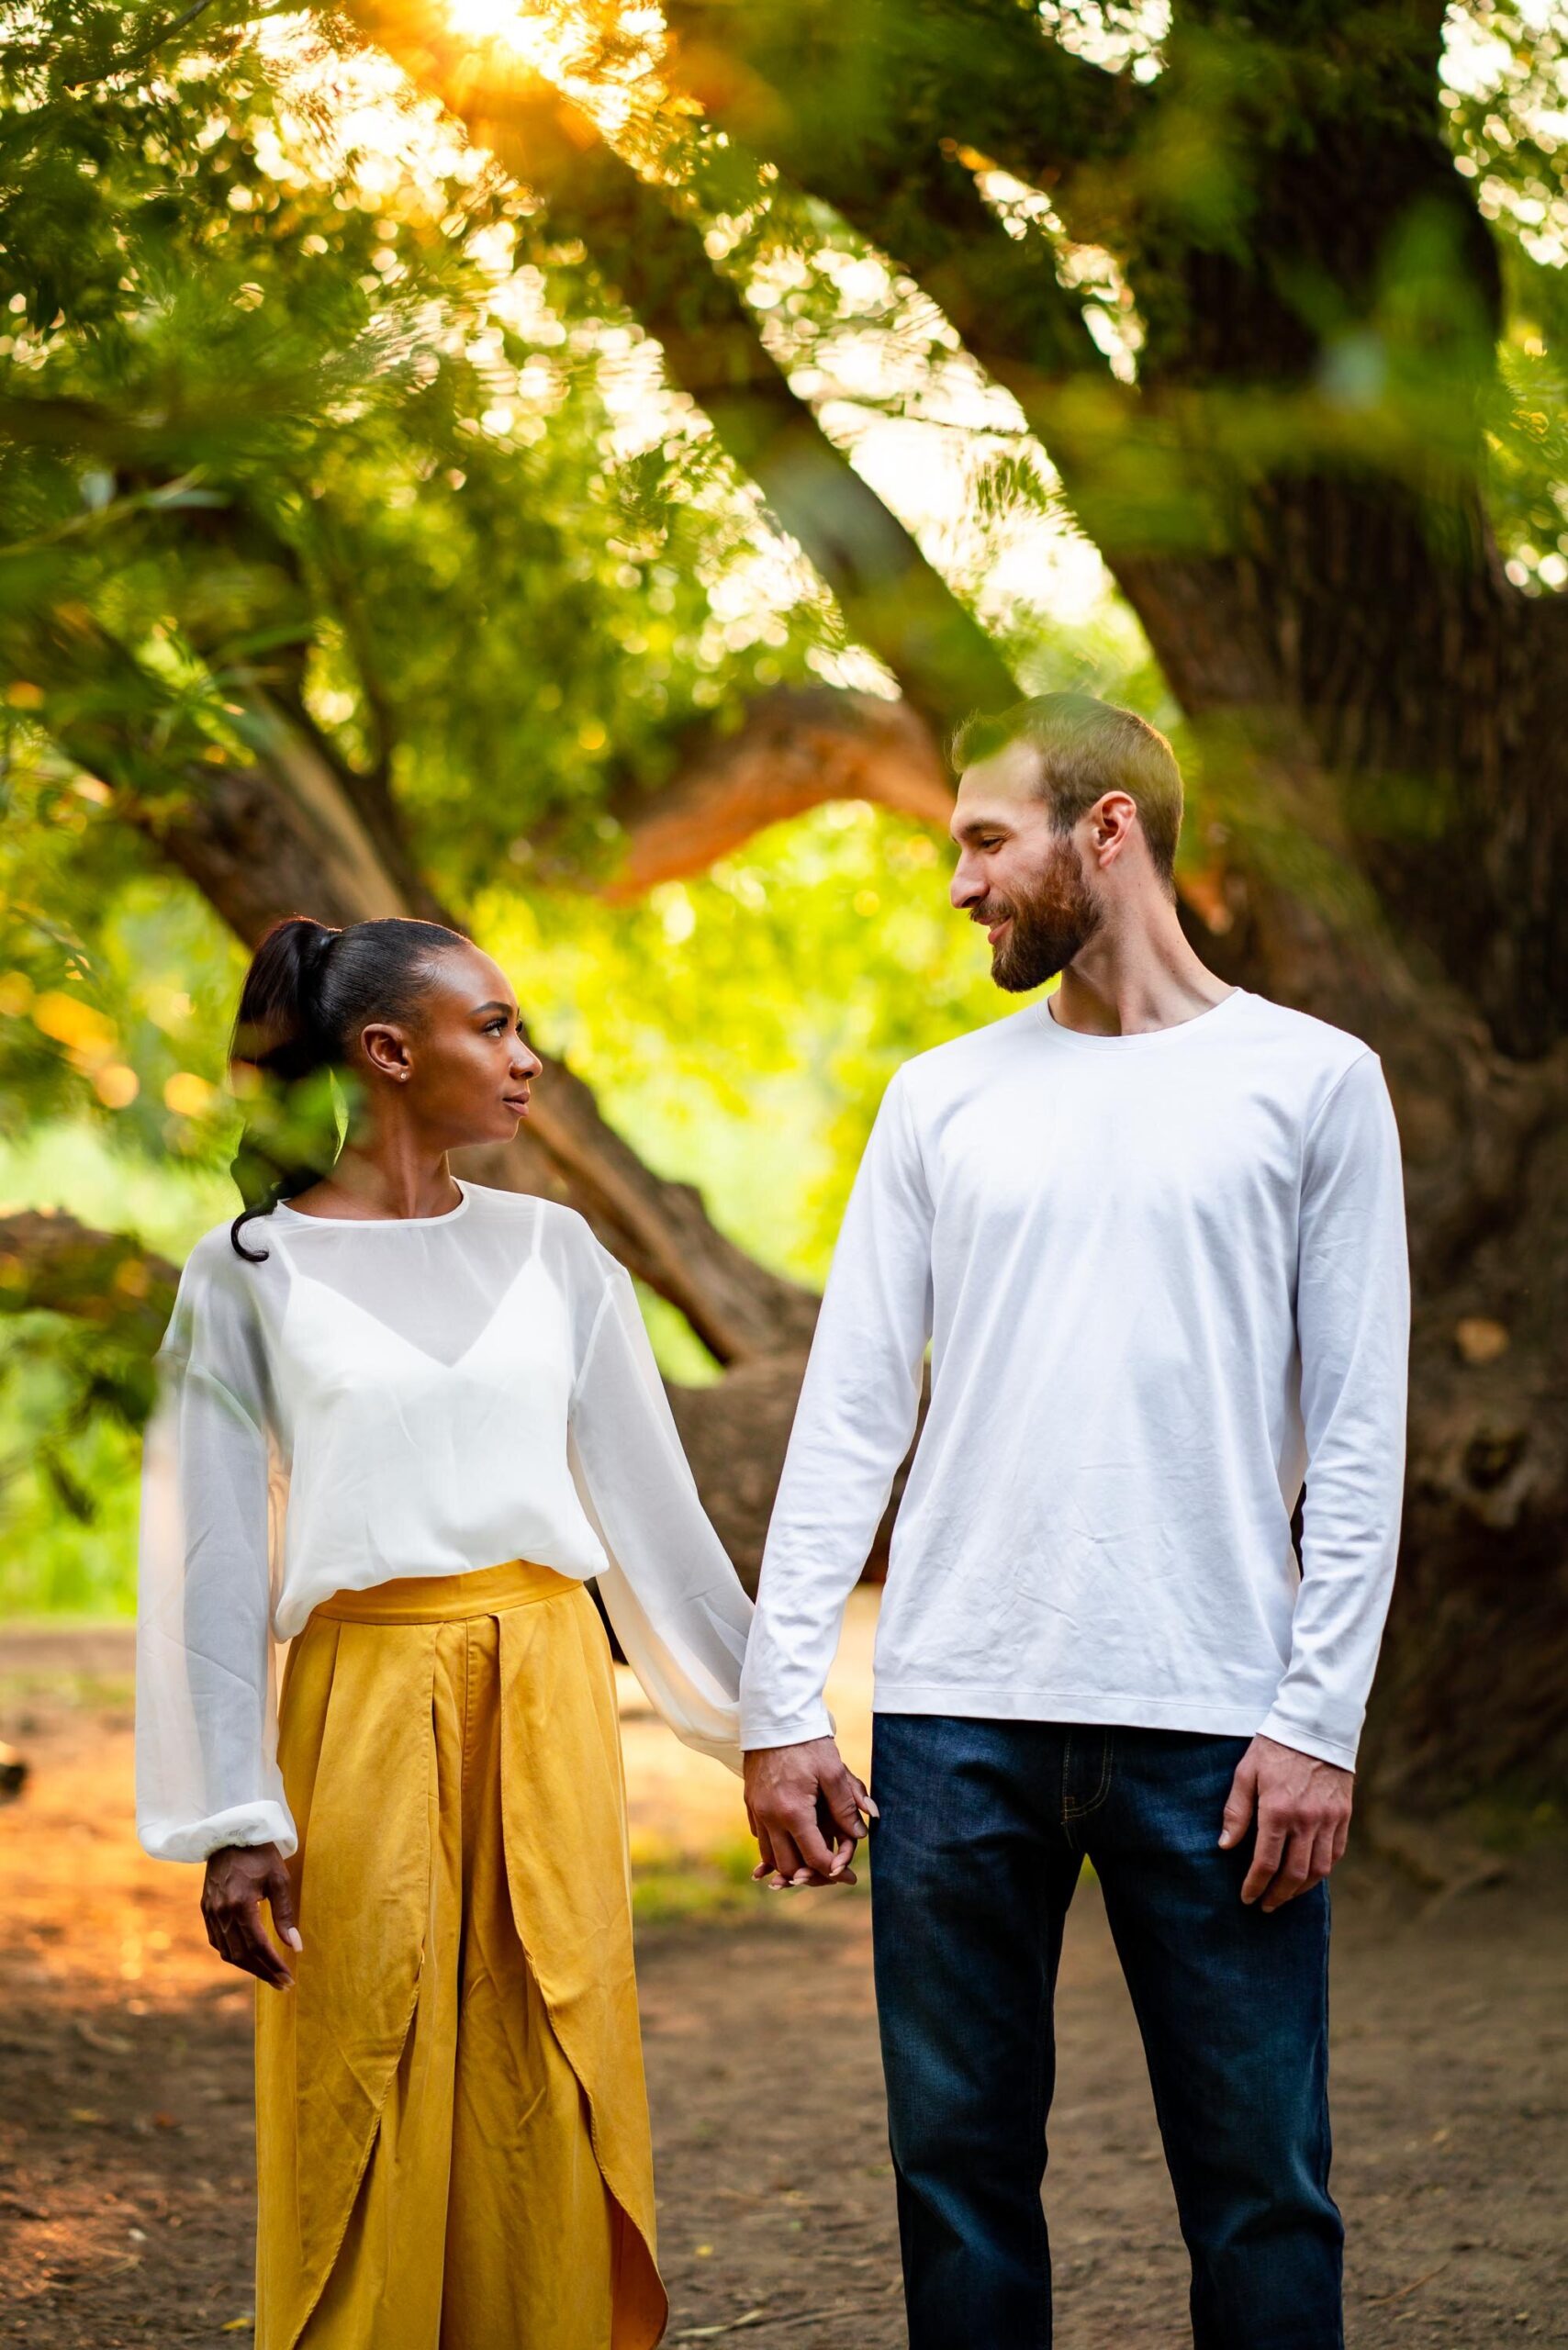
(1072, 1811)
(1068, 1805)
(1103, 1789)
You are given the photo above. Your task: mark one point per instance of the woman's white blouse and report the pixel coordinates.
(415, 1396)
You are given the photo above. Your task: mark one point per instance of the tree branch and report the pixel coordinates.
(144, 50)
(796, 748)
(890, 76)
(653, 253)
(49, 1263)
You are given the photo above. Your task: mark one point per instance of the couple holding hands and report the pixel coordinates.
(1151, 1231)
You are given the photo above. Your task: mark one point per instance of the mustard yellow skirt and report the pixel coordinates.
(453, 2142)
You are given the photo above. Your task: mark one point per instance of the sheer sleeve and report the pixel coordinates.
(675, 1602)
(207, 1768)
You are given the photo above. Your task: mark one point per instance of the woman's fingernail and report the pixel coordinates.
(291, 1936)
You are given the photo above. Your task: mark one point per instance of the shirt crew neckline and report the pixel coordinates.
(1078, 1041)
(378, 1222)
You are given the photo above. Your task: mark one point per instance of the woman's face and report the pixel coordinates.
(463, 1069)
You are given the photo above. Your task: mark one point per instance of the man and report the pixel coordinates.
(1153, 1230)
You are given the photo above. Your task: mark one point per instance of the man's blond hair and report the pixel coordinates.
(1088, 748)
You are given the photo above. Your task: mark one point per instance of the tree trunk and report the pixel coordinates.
(1470, 1690)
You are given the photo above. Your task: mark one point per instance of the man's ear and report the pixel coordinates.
(1112, 820)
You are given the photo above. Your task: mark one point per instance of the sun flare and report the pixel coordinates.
(487, 20)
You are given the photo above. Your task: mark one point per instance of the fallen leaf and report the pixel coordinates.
(85, 2113)
(107, 2044)
(1479, 1339)
(238, 2324)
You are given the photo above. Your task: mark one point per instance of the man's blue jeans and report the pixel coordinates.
(984, 1826)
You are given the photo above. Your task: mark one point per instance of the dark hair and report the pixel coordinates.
(1087, 748)
(309, 991)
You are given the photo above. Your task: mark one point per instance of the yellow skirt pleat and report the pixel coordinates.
(453, 2142)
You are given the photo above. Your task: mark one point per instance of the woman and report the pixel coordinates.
(397, 1436)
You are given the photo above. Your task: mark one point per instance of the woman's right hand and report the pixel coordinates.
(240, 1878)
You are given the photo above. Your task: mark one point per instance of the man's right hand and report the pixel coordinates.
(782, 1787)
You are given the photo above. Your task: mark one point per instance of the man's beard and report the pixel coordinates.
(1048, 927)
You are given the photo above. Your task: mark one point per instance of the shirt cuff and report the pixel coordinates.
(719, 1750)
(198, 1839)
(760, 1730)
(1284, 1732)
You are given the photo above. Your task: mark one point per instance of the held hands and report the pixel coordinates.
(797, 1798)
(1304, 1818)
(240, 1878)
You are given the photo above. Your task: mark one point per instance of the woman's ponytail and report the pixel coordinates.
(280, 1057)
(307, 994)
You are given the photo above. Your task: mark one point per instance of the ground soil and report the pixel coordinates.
(126, 2139)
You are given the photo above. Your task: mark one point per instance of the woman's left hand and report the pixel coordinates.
(240, 1878)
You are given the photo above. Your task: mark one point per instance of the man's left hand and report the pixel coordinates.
(1304, 1818)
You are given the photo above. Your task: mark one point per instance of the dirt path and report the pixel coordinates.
(126, 2142)
(1450, 2098)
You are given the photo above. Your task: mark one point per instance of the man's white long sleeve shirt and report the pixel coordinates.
(1163, 1278)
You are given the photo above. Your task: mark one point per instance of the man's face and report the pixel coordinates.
(1015, 874)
